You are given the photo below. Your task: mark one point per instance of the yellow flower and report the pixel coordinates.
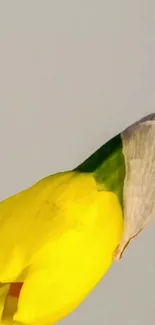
(57, 238)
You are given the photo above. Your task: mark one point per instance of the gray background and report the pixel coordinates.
(72, 75)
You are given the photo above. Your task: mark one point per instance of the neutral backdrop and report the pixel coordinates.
(73, 73)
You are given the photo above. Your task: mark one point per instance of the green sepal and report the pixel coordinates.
(108, 166)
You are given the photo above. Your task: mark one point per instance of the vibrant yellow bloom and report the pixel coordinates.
(57, 238)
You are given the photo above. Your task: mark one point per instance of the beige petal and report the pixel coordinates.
(139, 186)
